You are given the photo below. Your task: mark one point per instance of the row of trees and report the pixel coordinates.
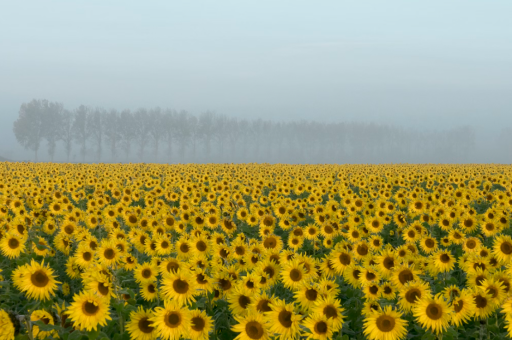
(169, 136)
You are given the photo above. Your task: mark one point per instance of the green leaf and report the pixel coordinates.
(428, 336)
(92, 335)
(44, 327)
(21, 337)
(76, 335)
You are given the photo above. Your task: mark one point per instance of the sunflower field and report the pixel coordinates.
(255, 251)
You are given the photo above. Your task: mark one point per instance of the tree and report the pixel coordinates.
(157, 129)
(127, 131)
(52, 125)
(185, 124)
(207, 131)
(80, 130)
(112, 132)
(142, 128)
(169, 125)
(28, 128)
(67, 132)
(95, 129)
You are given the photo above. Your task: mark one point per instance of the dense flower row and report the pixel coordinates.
(254, 251)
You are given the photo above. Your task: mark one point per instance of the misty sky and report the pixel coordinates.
(412, 63)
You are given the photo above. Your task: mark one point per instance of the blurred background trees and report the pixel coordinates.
(167, 136)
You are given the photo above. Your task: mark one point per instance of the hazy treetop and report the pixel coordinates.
(404, 62)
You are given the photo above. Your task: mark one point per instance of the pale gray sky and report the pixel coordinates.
(413, 63)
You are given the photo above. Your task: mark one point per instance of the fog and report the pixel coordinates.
(286, 82)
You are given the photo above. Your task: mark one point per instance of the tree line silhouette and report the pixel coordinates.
(170, 136)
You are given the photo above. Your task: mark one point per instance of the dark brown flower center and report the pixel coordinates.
(330, 311)
(405, 276)
(198, 323)
(263, 306)
(13, 243)
(172, 319)
(254, 330)
(311, 294)
(89, 308)
(39, 279)
(201, 246)
(412, 295)
(320, 327)
(434, 311)
(445, 258)
(285, 318)
(243, 301)
(506, 248)
(180, 286)
(103, 288)
(295, 275)
(385, 323)
(109, 254)
(145, 325)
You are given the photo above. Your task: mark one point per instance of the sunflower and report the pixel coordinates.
(41, 248)
(411, 293)
(495, 289)
(443, 261)
(184, 248)
(7, 329)
(12, 245)
(203, 281)
(371, 307)
(451, 292)
(433, 313)
(145, 272)
(403, 274)
(171, 321)
(428, 244)
(319, 326)
(352, 274)
(139, 325)
(386, 324)
(386, 262)
(340, 260)
(84, 256)
(369, 275)
(489, 228)
(306, 295)
(311, 232)
(46, 318)
(37, 281)
(372, 291)
(283, 321)
(200, 245)
(330, 307)
(100, 284)
(261, 302)
(388, 291)
(179, 287)
(502, 248)
(471, 244)
(251, 326)
(200, 325)
(361, 250)
(149, 291)
(163, 245)
(239, 299)
(484, 304)
(108, 253)
(293, 274)
(88, 310)
(463, 307)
